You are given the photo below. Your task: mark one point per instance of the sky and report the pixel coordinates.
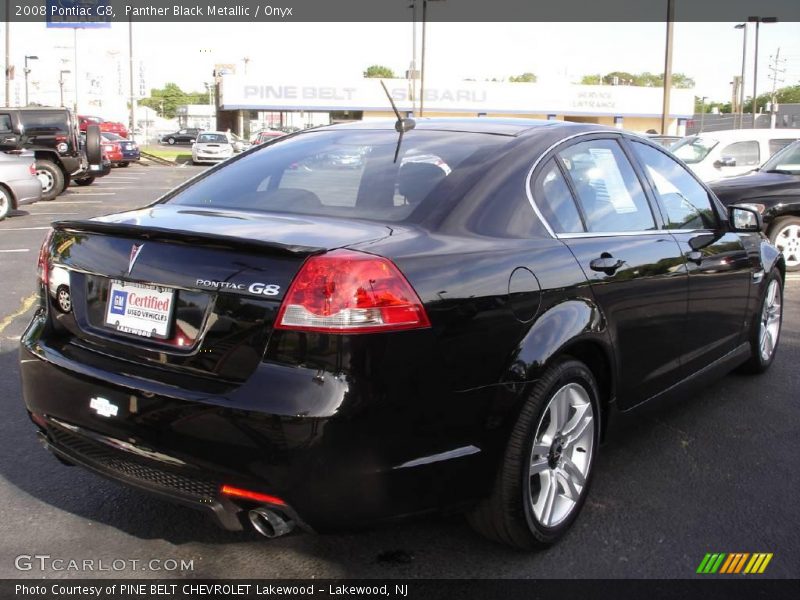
(710, 53)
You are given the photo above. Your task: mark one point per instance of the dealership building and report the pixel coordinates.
(251, 103)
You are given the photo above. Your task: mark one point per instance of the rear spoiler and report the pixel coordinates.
(180, 236)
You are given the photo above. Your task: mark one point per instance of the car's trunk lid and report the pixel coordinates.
(183, 290)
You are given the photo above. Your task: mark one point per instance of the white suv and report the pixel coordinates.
(717, 154)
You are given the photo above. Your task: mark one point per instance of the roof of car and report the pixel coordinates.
(492, 125)
(748, 134)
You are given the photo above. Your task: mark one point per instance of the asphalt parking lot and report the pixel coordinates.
(717, 472)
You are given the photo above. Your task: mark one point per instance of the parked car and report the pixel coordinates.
(52, 135)
(105, 126)
(266, 136)
(326, 348)
(239, 144)
(717, 154)
(212, 146)
(774, 191)
(182, 136)
(122, 152)
(19, 184)
(664, 140)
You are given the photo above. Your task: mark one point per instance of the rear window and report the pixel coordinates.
(348, 173)
(212, 138)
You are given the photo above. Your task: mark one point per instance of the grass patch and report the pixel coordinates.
(176, 154)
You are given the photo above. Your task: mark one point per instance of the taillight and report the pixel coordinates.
(350, 292)
(43, 267)
(32, 168)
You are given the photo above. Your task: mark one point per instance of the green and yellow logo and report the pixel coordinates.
(736, 562)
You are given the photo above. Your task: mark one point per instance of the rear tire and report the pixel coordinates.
(785, 234)
(84, 181)
(124, 164)
(547, 468)
(51, 178)
(765, 329)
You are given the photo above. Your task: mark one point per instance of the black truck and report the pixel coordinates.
(52, 135)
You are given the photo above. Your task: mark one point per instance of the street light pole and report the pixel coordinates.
(702, 112)
(130, 56)
(61, 84)
(27, 71)
(422, 57)
(8, 55)
(743, 27)
(757, 21)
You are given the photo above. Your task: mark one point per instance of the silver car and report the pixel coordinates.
(18, 182)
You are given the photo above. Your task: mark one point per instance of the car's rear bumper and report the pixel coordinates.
(26, 191)
(340, 470)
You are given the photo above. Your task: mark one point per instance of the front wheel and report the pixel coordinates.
(785, 234)
(124, 164)
(171, 141)
(51, 177)
(5, 203)
(765, 330)
(547, 467)
(84, 181)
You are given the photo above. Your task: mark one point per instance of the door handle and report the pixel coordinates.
(9, 140)
(694, 256)
(606, 264)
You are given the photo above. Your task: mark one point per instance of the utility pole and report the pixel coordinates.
(667, 66)
(757, 21)
(775, 75)
(8, 54)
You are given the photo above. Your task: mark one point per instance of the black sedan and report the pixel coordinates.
(774, 191)
(182, 136)
(450, 325)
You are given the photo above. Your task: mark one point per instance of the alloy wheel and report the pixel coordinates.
(561, 455)
(788, 242)
(770, 321)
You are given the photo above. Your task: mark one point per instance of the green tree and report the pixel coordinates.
(166, 100)
(379, 71)
(524, 78)
(644, 79)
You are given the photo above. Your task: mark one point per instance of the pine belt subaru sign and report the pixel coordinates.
(79, 13)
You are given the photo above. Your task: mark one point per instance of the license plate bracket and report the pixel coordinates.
(139, 309)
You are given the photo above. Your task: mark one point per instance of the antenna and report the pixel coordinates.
(402, 124)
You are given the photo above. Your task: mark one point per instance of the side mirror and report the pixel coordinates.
(745, 219)
(725, 161)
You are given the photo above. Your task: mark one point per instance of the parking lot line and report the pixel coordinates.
(26, 305)
(52, 202)
(22, 228)
(14, 250)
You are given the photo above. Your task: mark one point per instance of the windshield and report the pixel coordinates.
(787, 160)
(212, 138)
(693, 149)
(349, 173)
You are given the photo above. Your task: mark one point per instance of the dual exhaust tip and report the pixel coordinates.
(270, 523)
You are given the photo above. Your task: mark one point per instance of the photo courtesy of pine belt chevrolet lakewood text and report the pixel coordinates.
(355, 323)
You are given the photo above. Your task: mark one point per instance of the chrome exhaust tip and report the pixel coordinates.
(269, 523)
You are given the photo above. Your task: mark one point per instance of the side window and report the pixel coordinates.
(745, 153)
(778, 144)
(552, 196)
(5, 123)
(610, 195)
(684, 200)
